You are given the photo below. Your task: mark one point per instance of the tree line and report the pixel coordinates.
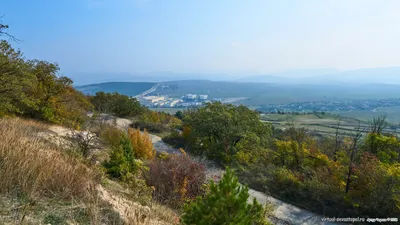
(356, 174)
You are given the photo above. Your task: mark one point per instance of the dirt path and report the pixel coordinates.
(284, 213)
(160, 146)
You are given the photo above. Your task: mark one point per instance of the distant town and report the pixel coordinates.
(329, 106)
(196, 100)
(186, 101)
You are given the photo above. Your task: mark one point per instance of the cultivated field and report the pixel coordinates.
(320, 123)
(392, 114)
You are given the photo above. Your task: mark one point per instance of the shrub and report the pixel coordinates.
(226, 203)
(122, 161)
(176, 140)
(175, 179)
(141, 144)
(157, 122)
(283, 177)
(111, 136)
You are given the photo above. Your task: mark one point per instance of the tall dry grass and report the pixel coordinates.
(35, 168)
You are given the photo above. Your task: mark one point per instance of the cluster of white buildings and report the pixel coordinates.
(187, 100)
(194, 97)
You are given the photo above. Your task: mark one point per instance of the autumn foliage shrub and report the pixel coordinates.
(176, 179)
(141, 144)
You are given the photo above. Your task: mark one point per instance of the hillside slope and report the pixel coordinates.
(125, 88)
(43, 183)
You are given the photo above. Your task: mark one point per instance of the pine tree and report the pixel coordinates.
(122, 161)
(225, 204)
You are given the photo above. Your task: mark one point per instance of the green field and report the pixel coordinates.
(392, 114)
(323, 124)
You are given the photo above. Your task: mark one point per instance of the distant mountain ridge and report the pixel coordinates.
(390, 75)
(257, 94)
(125, 88)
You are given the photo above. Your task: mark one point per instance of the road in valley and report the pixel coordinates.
(148, 91)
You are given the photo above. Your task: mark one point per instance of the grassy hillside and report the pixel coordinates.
(125, 88)
(44, 182)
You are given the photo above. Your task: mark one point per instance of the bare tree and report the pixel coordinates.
(378, 124)
(337, 141)
(85, 139)
(353, 151)
(3, 28)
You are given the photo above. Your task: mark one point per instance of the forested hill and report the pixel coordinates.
(125, 88)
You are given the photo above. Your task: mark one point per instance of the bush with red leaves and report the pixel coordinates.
(175, 179)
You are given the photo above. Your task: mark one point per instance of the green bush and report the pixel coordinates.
(122, 161)
(226, 203)
(54, 220)
(175, 140)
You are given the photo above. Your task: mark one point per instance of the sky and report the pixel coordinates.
(206, 36)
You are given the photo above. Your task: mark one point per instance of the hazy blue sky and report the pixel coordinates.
(206, 35)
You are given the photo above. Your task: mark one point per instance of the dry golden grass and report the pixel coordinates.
(61, 186)
(33, 167)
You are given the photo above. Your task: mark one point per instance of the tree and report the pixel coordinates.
(225, 204)
(377, 126)
(33, 88)
(122, 160)
(217, 129)
(3, 32)
(179, 115)
(386, 147)
(14, 81)
(353, 151)
(116, 104)
(337, 140)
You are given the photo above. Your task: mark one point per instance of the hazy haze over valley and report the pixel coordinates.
(390, 75)
(256, 40)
